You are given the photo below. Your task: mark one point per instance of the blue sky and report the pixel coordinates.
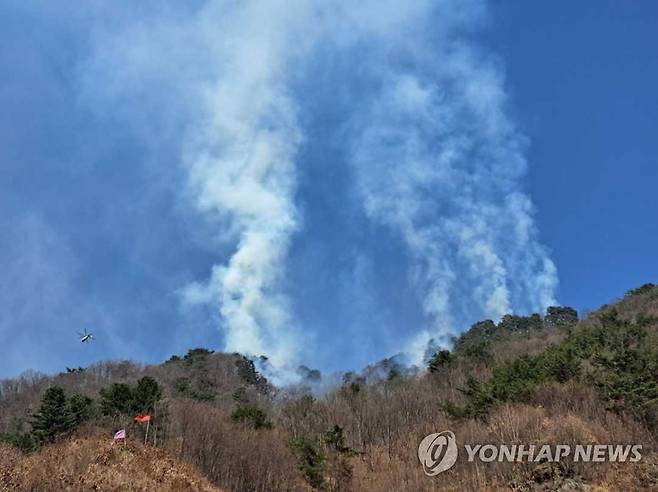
(583, 78)
(326, 185)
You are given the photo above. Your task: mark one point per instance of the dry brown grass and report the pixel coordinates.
(85, 464)
(380, 470)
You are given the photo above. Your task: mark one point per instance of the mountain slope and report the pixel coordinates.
(96, 464)
(538, 379)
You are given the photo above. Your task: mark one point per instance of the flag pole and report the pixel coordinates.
(148, 423)
(155, 429)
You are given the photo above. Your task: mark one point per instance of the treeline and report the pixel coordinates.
(617, 357)
(526, 379)
(60, 415)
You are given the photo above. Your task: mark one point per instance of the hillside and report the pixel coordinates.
(96, 464)
(536, 379)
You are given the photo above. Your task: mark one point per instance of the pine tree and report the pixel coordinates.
(439, 359)
(81, 407)
(54, 416)
(117, 399)
(145, 395)
(334, 438)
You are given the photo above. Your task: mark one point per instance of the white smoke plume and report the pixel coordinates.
(438, 160)
(242, 166)
(433, 153)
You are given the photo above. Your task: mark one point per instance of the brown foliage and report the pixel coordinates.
(97, 464)
(233, 455)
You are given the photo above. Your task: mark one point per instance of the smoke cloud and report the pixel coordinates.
(427, 139)
(241, 166)
(438, 160)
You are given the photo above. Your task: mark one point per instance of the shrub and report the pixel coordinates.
(25, 441)
(253, 416)
(334, 438)
(310, 459)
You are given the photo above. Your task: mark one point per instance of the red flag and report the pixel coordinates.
(142, 418)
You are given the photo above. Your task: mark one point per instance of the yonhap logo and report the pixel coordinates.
(438, 452)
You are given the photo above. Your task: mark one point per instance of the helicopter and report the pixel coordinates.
(86, 337)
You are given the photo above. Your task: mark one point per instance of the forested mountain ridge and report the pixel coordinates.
(548, 378)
